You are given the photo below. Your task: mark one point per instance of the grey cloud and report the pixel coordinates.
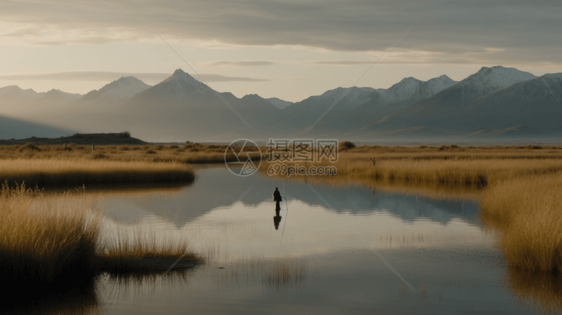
(221, 78)
(342, 62)
(243, 63)
(110, 76)
(87, 40)
(528, 31)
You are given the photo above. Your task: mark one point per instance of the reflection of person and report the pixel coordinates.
(277, 198)
(277, 219)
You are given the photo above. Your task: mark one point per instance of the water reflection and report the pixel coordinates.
(277, 218)
(27, 298)
(216, 188)
(542, 290)
(309, 260)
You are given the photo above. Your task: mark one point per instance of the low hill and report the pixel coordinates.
(81, 138)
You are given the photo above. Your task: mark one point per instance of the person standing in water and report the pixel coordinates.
(277, 198)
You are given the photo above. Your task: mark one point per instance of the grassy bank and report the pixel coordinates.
(522, 197)
(528, 213)
(521, 189)
(75, 173)
(144, 253)
(49, 239)
(469, 172)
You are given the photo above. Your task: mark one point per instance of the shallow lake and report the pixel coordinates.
(335, 249)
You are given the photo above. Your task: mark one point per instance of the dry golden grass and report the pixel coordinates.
(46, 239)
(470, 172)
(189, 153)
(428, 190)
(75, 173)
(528, 212)
(455, 153)
(144, 253)
(52, 240)
(474, 172)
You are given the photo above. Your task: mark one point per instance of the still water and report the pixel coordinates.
(332, 249)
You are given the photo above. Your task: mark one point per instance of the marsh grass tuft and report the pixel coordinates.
(48, 239)
(143, 253)
(528, 213)
(283, 273)
(53, 240)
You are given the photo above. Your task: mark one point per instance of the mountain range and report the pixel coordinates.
(493, 103)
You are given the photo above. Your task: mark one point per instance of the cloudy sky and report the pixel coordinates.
(286, 49)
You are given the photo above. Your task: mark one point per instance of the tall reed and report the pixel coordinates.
(75, 173)
(528, 213)
(45, 239)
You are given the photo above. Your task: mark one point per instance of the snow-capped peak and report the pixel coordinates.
(411, 89)
(181, 80)
(179, 86)
(440, 83)
(279, 103)
(498, 77)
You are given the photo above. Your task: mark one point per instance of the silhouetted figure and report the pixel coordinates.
(93, 147)
(277, 198)
(277, 219)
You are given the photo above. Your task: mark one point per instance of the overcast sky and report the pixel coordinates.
(286, 49)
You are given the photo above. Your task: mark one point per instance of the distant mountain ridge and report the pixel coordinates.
(121, 89)
(491, 102)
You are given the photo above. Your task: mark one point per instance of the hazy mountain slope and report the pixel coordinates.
(18, 129)
(17, 102)
(303, 114)
(279, 103)
(15, 92)
(445, 111)
(375, 107)
(183, 106)
(534, 104)
(122, 89)
(494, 100)
(54, 96)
